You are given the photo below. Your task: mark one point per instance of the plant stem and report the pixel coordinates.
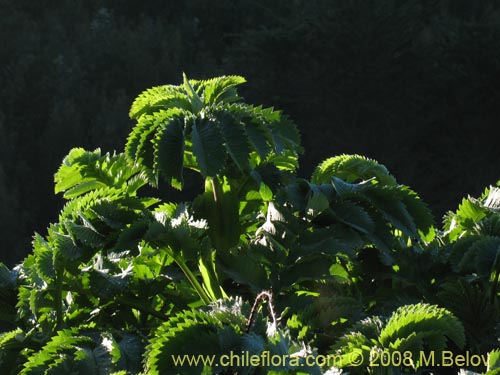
(215, 189)
(258, 299)
(191, 277)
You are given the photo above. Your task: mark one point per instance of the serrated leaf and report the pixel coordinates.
(408, 320)
(235, 140)
(158, 98)
(188, 333)
(493, 361)
(388, 200)
(44, 258)
(259, 137)
(353, 215)
(134, 138)
(169, 157)
(66, 246)
(487, 256)
(194, 98)
(131, 349)
(86, 235)
(208, 147)
(317, 202)
(221, 89)
(351, 168)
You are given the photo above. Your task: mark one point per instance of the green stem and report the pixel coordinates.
(218, 225)
(191, 277)
(215, 189)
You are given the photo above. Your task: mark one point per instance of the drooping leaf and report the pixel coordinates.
(159, 98)
(487, 254)
(235, 139)
(188, 333)
(169, 152)
(472, 305)
(351, 168)
(354, 216)
(422, 322)
(259, 138)
(208, 147)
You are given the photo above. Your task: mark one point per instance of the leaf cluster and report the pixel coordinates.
(350, 261)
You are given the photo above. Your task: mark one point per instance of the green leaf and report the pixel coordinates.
(432, 323)
(244, 269)
(194, 98)
(169, 156)
(60, 349)
(317, 201)
(235, 139)
(145, 151)
(310, 268)
(336, 240)
(159, 98)
(469, 212)
(206, 265)
(208, 147)
(351, 168)
(265, 192)
(472, 305)
(188, 333)
(221, 89)
(493, 361)
(388, 200)
(339, 273)
(44, 258)
(134, 138)
(344, 188)
(353, 215)
(353, 348)
(222, 215)
(259, 138)
(68, 174)
(67, 255)
(418, 209)
(487, 254)
(107, 286)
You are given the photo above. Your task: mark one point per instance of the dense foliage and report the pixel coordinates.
(349, 263)
(410, 83)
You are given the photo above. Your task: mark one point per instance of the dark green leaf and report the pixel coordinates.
(208, 147)
(169, 157)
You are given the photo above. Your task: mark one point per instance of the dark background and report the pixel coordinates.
(414, 84)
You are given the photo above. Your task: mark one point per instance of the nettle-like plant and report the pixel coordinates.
(397, 342)
(128, 282)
